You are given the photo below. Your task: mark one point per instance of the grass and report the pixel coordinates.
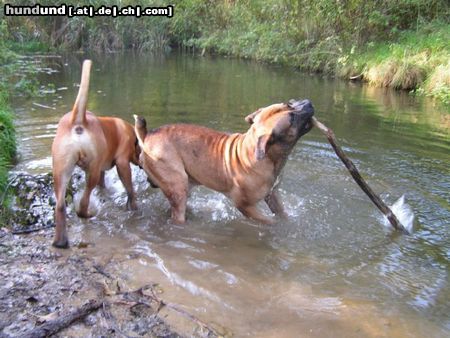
(7, 150)
(419, 60)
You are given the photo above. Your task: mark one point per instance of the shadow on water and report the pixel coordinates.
(332, 268)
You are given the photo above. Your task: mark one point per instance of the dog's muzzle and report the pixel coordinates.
(302, 114)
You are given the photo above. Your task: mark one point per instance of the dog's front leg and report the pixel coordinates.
(275, 205)
(124, 171)
(251, 211)
(101, 181)
(93, 177)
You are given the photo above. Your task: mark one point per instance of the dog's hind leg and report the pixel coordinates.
(124, 171)
(175, 187)
(177, 196)
(61, 177)
(93, 177)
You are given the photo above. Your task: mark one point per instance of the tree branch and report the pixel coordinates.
(358, 178)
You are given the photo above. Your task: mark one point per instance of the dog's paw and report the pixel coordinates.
(84, 214)
(61, 244)
(131, 206)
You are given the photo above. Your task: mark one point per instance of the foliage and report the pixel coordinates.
(417, 60)
(388, 43)
(8, 148)
(438, 83)
(398, 43)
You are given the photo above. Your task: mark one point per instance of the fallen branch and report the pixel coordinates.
(53, 326)
(43, 106)
(357, 77)
(30, 230)
(358, 178)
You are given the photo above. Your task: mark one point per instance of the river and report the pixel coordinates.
(333, 268)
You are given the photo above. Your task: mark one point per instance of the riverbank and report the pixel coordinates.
(401, 45)
(415, 60)
(41, 284)
(17, 77)
(419, 61)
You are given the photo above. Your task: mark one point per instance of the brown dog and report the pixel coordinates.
(95, 144)
(244, 167)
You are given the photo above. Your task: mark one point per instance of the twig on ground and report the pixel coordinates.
(30, 230)
(53, 326)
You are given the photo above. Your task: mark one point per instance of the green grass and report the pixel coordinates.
(7, 150)
(31, 46)
(417, 60)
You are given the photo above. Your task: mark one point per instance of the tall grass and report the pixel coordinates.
(418, 59)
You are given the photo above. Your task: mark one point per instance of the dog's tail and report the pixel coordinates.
(79, 108)
(140, 128)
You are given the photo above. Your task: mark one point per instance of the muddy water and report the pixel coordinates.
(332, 269)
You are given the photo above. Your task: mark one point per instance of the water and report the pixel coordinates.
(332, 269)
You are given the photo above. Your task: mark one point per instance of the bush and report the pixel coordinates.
(8, 142)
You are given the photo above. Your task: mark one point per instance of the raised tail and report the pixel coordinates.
(140, 128)
(79, 108)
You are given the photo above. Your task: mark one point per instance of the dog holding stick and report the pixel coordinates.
(95, 144)
(245, 167)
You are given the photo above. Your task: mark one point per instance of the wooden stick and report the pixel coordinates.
(358, 178)
(53, 326)
(30, 230)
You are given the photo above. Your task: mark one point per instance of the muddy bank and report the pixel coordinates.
(41, 283)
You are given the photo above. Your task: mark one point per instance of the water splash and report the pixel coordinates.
(212, 205)
(404, 214)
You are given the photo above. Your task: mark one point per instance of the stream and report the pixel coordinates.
(334, 268)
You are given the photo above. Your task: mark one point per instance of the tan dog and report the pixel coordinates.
(244, 167)
(95, 144)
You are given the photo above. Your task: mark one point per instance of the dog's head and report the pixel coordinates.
(279, 126)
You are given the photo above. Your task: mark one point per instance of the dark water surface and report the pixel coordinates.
(332, 269)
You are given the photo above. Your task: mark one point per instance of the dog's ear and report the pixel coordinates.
(250, 118)
(261, 146)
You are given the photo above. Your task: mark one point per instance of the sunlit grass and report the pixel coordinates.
(417, 60)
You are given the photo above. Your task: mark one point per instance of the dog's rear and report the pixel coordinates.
(71, 146)
(95, 144)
